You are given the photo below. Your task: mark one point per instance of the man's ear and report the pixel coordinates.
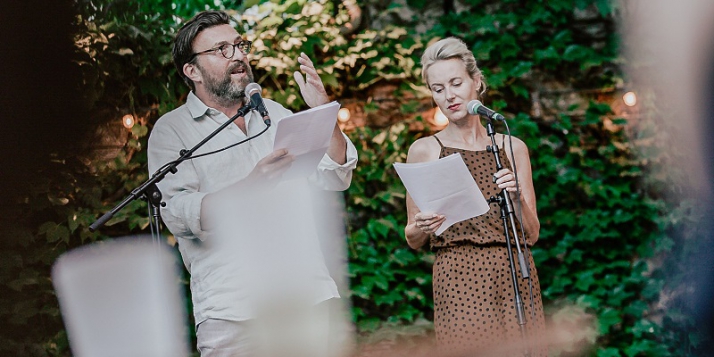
(192, 72)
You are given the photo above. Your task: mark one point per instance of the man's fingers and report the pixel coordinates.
(285, 160)
(310, 71)
(316, 82)
(275, 168)
(280, 161)
(280, 152)
(276, 155)
(299, 79)
(304, 59)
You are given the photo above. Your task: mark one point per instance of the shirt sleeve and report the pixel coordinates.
(333, 176)
(330, 175)
(180, 190)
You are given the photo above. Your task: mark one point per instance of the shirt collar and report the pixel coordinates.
(195, 106)
(198, 109)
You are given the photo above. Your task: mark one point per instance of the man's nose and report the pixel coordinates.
(238, 54)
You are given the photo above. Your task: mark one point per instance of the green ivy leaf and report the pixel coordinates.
(608, 352)
(607, 319)
(54, 232)
(641, 347)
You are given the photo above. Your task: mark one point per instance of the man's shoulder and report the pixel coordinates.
(171, 124)
(174, 117)
(269, 103)
(276, 110)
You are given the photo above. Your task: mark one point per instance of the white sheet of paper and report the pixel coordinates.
(444, 186)
(306, 135)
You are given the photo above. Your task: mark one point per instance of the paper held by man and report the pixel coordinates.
(444, 186)
(306, 135)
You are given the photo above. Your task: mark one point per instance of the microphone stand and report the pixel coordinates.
(508, 218)
(150, 192)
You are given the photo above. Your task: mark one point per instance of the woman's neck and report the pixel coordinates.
(467, 135)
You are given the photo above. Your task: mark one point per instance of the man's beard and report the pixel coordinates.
(225, 91)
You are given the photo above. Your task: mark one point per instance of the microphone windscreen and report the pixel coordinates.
(251, 88)
(472, 107)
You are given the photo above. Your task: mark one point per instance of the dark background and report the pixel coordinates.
(43, 117)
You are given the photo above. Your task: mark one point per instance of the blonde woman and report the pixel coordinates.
(473, 288)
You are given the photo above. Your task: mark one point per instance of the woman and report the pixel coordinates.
(473, 289)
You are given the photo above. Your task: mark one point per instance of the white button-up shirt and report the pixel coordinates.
(218, 278)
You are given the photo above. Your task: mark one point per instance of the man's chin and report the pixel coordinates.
(242, 82)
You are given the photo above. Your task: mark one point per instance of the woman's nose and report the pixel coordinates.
(449, 94)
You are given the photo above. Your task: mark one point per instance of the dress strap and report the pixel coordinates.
(439, 141)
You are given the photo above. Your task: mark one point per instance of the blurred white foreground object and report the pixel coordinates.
(122, 298)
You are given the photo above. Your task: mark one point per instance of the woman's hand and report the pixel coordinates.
(428, 222)
(311, 87)
(505, 179)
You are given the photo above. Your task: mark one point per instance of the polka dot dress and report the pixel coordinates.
(473, 291)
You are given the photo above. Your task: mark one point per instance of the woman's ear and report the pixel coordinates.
(477, 83)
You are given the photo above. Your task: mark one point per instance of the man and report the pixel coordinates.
(206, 192)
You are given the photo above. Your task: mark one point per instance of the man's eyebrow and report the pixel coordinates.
(237, 39)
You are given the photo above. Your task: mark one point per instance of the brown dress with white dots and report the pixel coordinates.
(473, 291)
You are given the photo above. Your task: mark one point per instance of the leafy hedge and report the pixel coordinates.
(390, 282)
(608, 239)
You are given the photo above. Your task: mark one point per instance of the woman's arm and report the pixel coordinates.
(526, 204)
(420, 225)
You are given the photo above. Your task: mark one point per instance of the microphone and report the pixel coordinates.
(475, 107)
(252, 91)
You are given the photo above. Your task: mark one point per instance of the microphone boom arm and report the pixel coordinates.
(149, 186)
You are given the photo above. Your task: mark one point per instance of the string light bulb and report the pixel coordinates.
(630, 99)
(343, 115)
(128, 121)
(440, 119)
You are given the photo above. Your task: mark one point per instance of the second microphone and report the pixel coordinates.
(476, 108)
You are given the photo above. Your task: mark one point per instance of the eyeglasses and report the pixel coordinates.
(227, 50)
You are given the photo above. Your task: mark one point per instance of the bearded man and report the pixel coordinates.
(212, 57)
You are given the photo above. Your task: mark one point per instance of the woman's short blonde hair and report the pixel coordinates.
(448, 48)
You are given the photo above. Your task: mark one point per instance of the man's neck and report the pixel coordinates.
(226, 106)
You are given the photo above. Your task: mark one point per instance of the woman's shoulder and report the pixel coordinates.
(520, 149)
(424, 149)
(518, 144)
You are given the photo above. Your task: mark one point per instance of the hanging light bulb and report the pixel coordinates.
(128, 121)
(630, 99)
(439, 118)
(343, 115)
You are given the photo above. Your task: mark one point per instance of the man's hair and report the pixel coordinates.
(183, 44)
(448, 48)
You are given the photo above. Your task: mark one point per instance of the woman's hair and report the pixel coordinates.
(448, 48)
(183, 45)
